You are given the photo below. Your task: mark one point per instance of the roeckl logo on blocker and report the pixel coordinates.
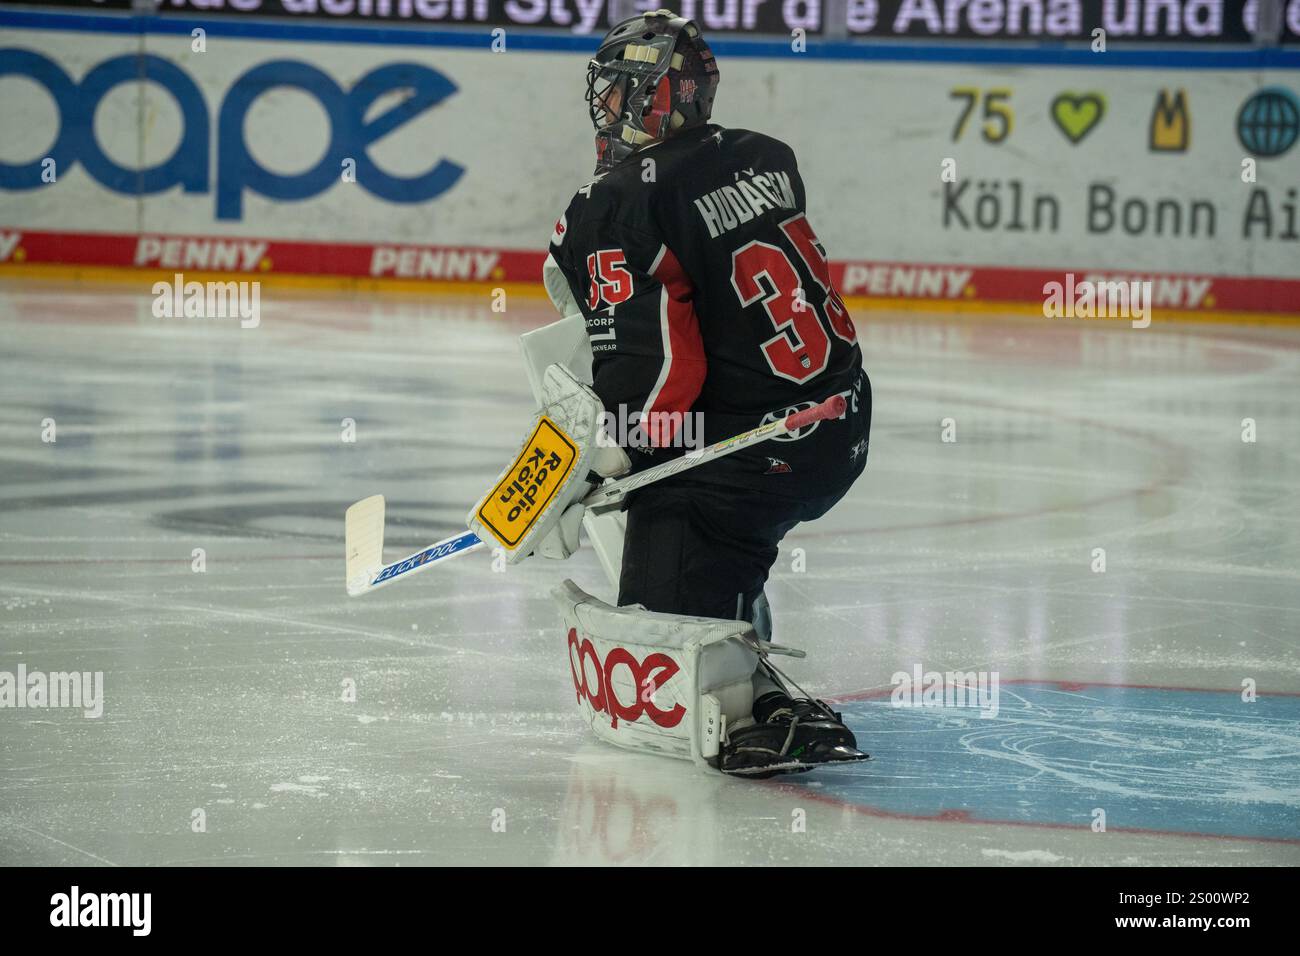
(649, 675)
(351, 129)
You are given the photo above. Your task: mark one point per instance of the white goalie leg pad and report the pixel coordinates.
(550, 472)
(667, 684)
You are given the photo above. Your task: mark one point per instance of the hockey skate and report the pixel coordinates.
(788, 736)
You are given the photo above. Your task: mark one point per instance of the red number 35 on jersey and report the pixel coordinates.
(801, 348)
(610, 280)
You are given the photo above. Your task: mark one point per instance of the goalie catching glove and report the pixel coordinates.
(535, 505)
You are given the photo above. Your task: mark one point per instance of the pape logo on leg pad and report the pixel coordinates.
(647, 676)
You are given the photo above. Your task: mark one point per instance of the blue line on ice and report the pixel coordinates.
(1181, 761)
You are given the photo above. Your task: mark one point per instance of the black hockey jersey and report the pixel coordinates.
(708, 302)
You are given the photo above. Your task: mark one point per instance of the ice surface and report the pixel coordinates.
(223, 689)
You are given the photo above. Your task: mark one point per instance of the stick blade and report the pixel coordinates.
(363, 542)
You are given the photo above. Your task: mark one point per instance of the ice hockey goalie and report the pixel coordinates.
(708, 302)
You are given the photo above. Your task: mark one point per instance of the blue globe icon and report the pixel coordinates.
(1268, 123)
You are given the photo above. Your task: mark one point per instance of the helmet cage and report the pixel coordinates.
(629, 79)
(636, 66)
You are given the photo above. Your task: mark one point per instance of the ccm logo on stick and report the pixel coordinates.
(352, 129)
(650, 674)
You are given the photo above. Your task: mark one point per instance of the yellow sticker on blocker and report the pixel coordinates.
(531, 482)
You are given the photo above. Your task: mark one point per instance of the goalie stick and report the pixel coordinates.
(363, 524)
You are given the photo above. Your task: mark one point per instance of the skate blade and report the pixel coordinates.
(770, 770)
(834, 755)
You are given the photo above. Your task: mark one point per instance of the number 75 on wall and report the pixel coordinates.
(998, 117)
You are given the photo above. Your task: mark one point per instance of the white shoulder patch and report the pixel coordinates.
(561, 228)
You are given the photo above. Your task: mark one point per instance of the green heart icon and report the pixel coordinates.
(1076, 114)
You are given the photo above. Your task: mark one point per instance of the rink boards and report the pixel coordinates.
(418, 156)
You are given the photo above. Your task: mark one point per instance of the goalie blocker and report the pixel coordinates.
(535, 504)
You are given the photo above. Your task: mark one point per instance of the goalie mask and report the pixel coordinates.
(652, 76)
